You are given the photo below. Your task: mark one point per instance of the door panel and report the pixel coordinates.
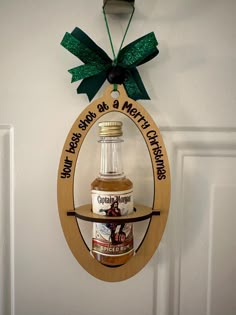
(203, 205)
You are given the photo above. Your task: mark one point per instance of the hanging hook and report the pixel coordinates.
(118, 6)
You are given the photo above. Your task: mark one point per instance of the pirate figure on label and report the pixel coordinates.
(114, 211)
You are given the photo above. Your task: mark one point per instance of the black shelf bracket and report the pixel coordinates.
(140, 213)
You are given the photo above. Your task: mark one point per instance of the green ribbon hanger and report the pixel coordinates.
(98, 65)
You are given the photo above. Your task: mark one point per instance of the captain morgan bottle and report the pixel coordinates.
(112, 195)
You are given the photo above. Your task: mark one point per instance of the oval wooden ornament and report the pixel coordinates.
(161, 178)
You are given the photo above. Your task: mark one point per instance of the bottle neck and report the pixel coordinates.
(111, 158)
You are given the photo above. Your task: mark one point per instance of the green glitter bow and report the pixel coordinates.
(97, 64)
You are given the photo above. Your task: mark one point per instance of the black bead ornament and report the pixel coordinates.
(116, 75)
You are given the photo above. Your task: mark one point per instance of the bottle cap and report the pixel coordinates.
(110, 129)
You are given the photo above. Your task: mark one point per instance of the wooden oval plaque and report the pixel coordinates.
(161, 178)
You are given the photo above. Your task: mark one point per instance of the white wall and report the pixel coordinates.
(192, 87)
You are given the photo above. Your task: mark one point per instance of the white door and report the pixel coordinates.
(192, 89)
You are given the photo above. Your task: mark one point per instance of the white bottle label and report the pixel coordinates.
(112, 238)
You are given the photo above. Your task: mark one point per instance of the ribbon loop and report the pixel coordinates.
(87, 70)
(80, 45)
(136, 52)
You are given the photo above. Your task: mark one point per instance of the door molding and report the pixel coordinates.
(7, 286)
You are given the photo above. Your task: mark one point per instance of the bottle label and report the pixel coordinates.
(112, 239)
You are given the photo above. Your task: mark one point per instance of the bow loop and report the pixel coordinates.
(87, 70)
(83, 47)
(139, 51)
